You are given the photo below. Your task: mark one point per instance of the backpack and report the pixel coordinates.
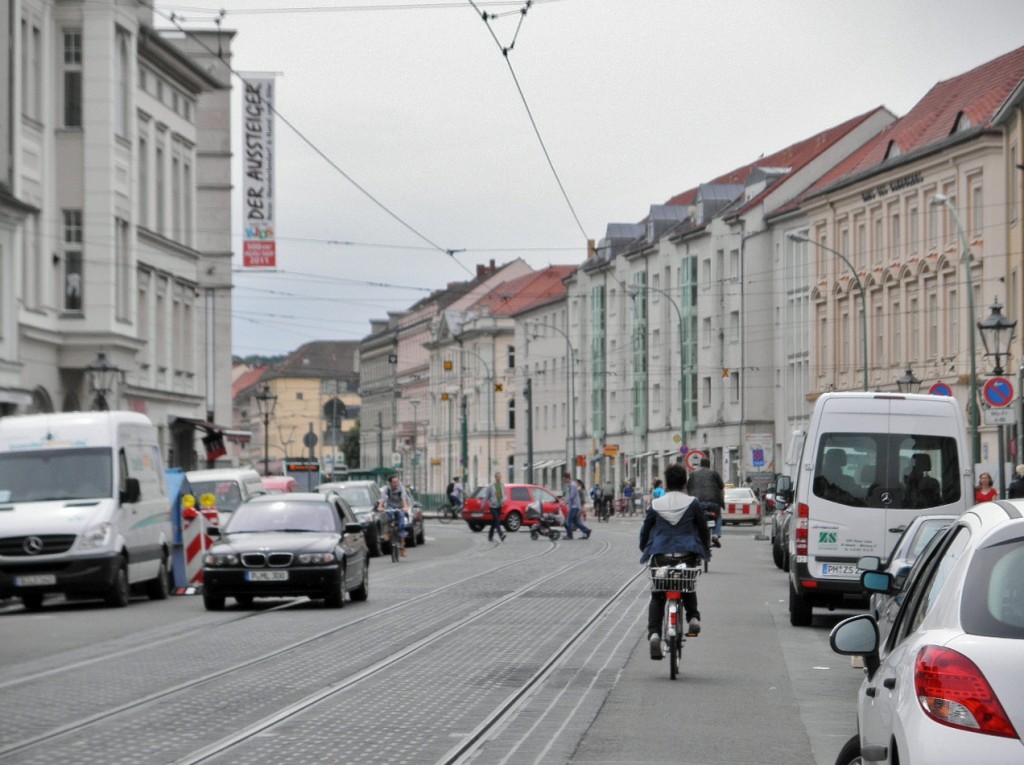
(451, 488)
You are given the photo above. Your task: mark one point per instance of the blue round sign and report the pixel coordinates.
(998, 391)
(940, 389)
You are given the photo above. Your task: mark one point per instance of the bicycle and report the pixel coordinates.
(448, 513)
(673, 579)
(394, 535)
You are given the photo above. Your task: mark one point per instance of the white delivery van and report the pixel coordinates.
(871, 463)
(83, 507)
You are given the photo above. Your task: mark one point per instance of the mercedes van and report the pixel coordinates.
(871, 463)
(84, 509)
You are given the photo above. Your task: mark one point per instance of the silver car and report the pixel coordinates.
(947, 684)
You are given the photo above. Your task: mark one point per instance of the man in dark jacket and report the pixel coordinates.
(675, 525)
(706, 485)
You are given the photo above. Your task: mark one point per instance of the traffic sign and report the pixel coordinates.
(998, 391)
(693, 458)
(1000, 417)
(940, 389)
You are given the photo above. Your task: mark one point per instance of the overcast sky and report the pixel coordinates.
(635, 101)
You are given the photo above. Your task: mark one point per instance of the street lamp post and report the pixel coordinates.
(1000, 329)
(632, 290)
(490, 411)
(415, 403)
(101, 379)
(570, 390)
(798, 237)
(942, 199)
(908, 383)
(265, 402)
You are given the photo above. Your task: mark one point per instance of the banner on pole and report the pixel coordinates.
(258, 248)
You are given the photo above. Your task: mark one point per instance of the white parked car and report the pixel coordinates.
(947, 684)
(741, 506)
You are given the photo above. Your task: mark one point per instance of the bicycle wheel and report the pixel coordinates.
(673, 638)
(445, 513)
(396, 547)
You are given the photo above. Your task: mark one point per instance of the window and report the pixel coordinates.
(734, 264)
(31, 71)
(161, 191)
(512, 414)
(72, 78)
(862, 242)
(734, 379)
(143, 182)
(734, 326)
(933, 224)
(895, 243)
(897, 332)
(122, 267)
(511, 356)
(706, 331)
(952, 314)
(915, 328)
(933, 323)
(73, 260)
(122, 79)
(142, 321)
(877, 240)
(913, 234)
(705, 391)
(705, 272)
(879, 321)
(977, 210)
(176, 232)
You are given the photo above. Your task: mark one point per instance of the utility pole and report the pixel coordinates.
(528, 395)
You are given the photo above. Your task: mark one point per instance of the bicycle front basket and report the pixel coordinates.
(674, 578)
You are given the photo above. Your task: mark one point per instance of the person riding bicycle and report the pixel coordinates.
(674, 526)
(395, 501)
(706, 485)
(455, 494)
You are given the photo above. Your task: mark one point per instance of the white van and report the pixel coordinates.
(83, 507)
(871, 463)
(226, 488)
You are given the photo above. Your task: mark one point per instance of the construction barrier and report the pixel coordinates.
(196, 541)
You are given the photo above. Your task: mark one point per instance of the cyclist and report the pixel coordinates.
(395, 501)
(706, 485)
(456, 494)
(674, 525)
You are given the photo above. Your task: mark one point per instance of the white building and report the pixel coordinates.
(115, 238)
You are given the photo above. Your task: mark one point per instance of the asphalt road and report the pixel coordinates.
(525, 652)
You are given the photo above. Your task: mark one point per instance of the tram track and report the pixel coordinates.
(69, 729)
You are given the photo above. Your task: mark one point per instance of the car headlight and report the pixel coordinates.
(320, 559)
(98, 536)
(214, 560)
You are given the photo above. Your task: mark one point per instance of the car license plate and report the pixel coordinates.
(35, 580)
(840, 570)
(476, 515)
(266, 576)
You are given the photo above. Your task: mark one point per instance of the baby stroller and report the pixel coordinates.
(546, 525)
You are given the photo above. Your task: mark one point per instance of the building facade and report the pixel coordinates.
(118, 142)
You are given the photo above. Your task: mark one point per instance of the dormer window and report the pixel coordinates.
(963, 122)
(893, 150)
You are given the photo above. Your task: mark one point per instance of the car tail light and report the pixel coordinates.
(800, 534)
(953, 691)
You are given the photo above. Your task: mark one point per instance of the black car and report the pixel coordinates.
(364, 499)
(286, 546)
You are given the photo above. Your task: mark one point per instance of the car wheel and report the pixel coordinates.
(785, 558)
(243, 600)
(373, 541)
(33, 601)
(362, 592)
(160, 588)
(513, 521)
(800, 610)
(850, 753)
(410, 540)
(118, 595)
(476, 527)
(336, 598)
(213, 602)
(777, 555)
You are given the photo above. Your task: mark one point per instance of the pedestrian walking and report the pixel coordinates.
(707, 486)
(575, 503)
(494, 499)
(1016, 490)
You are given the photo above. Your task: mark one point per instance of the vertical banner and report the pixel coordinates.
(758, 453)
(258, 248)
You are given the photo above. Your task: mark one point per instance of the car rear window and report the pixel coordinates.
(993, 600)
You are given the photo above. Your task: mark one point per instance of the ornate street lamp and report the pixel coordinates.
(265, 402)
(101, 379)
(908, 383)
(997, 334)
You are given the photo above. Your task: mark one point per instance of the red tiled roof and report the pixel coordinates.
(247, 380)
(977, 94)
(793, 157)
(526, 292)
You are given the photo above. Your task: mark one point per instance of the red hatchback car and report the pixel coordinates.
(513, 511)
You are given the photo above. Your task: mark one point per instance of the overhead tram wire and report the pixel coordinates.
(504, 52)
(173, 19)
(365, 7)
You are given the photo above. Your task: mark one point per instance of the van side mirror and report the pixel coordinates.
(131, 492)
(784, 488)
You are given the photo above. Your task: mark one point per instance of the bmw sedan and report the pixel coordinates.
(947, 683)
(288, 546)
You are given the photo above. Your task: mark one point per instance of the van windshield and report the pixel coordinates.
(887, 470)
(56, 474)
